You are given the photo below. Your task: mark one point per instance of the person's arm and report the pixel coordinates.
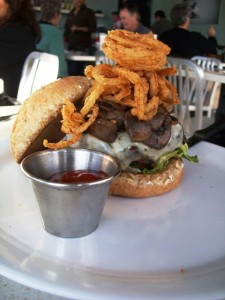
(67, 26)
(212, 36)
(205, 45)
(211, 32)
(92, 26)
(66, 32)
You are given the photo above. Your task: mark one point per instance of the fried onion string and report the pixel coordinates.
(137, 81)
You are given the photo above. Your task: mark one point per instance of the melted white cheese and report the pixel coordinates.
(127, 151)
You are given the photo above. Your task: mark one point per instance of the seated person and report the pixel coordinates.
(185, 43)
(143, 10)
(19, 32)
(130, 19)
(161, 23)
(51, 36)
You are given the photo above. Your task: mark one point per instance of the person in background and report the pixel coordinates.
(51, 36)
(19, 31)
(79, 25)
(161, 23)
(130, 19)
(143, 9)
(185, 43)
(116, 20)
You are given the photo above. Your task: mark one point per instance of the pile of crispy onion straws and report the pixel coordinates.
(137, 80)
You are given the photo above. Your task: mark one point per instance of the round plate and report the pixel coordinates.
(164, 247)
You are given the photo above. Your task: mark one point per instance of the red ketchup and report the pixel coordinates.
(79, 176)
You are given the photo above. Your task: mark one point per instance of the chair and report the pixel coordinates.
(189, 84)
(211, 89)
(39, 69)
(100, 58)
(1, 86)
(208, 63)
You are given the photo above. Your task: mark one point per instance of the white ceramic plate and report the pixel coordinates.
(167, 247)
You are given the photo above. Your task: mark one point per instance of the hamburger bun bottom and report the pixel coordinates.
(139, 185)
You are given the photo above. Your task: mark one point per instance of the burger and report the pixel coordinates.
(150, 152)
(103, 112)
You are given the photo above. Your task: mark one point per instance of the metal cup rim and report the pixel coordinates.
(68, 186)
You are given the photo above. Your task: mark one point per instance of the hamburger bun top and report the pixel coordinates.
(39, 116)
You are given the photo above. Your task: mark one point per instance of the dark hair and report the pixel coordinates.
(179, 14)
(22, 11)
(132, 9)
(160, 14)
(49, 8)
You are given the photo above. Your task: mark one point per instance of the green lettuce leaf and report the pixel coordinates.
(163, 161)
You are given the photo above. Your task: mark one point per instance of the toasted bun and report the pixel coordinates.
(148, 185)
(39, 116)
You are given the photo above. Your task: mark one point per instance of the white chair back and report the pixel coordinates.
(1, 86)
(189, 84)
(211, 88)
(39, 69)
(208, 63)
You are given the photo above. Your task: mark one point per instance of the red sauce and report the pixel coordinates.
(79, 176)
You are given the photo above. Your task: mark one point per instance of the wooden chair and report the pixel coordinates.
(39, 69)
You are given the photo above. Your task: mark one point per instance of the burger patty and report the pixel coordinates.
(114, 118)
(132, 142)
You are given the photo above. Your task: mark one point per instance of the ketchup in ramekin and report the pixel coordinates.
(78, 176)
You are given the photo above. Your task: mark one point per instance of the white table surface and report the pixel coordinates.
(10, 290)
